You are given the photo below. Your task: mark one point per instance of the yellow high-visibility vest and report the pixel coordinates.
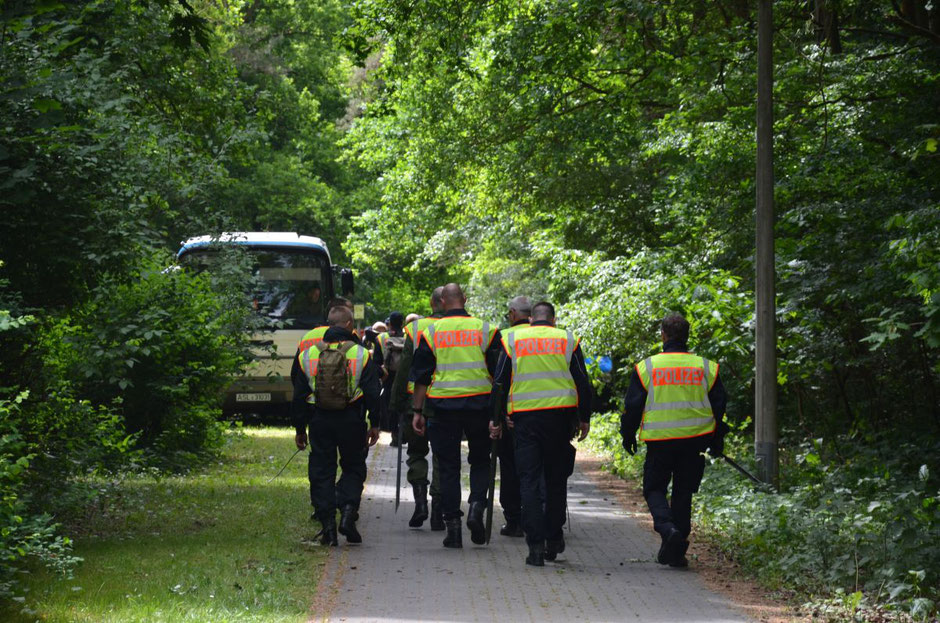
(541, 374)
(311, 337)
(356, 359)
(677, 405)
(459, 344)
(414, 329)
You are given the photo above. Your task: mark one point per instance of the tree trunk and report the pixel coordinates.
(826, 22)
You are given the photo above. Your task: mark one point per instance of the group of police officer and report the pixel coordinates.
(457, 370)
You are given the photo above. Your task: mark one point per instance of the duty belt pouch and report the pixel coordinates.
(332, 384)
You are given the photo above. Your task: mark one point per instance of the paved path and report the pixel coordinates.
(607, 572)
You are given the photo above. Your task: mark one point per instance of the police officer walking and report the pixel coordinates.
(549, 397)
(510, 497)
(418, 447)
(677, 403)
(338, 381)
(391, 344)
(452, 372)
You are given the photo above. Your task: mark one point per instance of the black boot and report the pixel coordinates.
(421, 506)
(671, 548)
(680, 560)
(454, 538)
(347, 524)
(553, 548)
(437, 516)
(536, 556)
(475, 523)
(328, 533)
(512, 527)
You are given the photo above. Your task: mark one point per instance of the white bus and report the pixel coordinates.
(294, 283)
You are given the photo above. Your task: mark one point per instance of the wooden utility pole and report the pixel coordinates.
(765, 386)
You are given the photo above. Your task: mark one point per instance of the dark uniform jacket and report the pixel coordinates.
(578, 373)
(424, 364)
(302, 411)
(635, 401)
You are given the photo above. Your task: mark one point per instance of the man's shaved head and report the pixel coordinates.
(543, 311)
(453, 297)
(340, 316)
(437, 298)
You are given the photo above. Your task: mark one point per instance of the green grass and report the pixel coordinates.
(220, 545)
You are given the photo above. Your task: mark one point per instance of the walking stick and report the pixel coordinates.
(735, 465)
(401, 442)
(281, 471)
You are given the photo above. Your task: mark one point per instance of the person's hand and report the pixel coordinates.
(372, 436)
(417, 423)
(510, 423)
(629, 443)
(717, 446)
(300, 440)
(585, 428)
(496, 432)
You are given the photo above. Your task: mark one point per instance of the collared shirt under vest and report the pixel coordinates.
(459, 345)
(356, 359)
(541, 359)
(414, 330)
(677, 404)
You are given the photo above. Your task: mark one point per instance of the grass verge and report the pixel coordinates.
(220, 545)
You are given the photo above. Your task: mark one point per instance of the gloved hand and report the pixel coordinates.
(717, 446)
(629, 442)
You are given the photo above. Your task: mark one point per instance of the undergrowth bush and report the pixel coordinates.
(856, 519)
(24, 535)
(159, 350)
(131, 377)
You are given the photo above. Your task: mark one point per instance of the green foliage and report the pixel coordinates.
(603, 153)
(24, 535)
(160, 350)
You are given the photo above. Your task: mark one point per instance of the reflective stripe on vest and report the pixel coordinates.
(459, 345)
(541, 375)
(356, 359)
(677, 405)
(413, 330)
(311, 337)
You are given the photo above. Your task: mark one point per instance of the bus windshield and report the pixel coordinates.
(289, 286)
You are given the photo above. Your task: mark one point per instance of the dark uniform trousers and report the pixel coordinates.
(345, 432)
(544, 458)
(685, 466)
(509, 495)
(417, 461)
(445, 430)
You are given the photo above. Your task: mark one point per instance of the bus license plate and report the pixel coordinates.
(252, 397)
